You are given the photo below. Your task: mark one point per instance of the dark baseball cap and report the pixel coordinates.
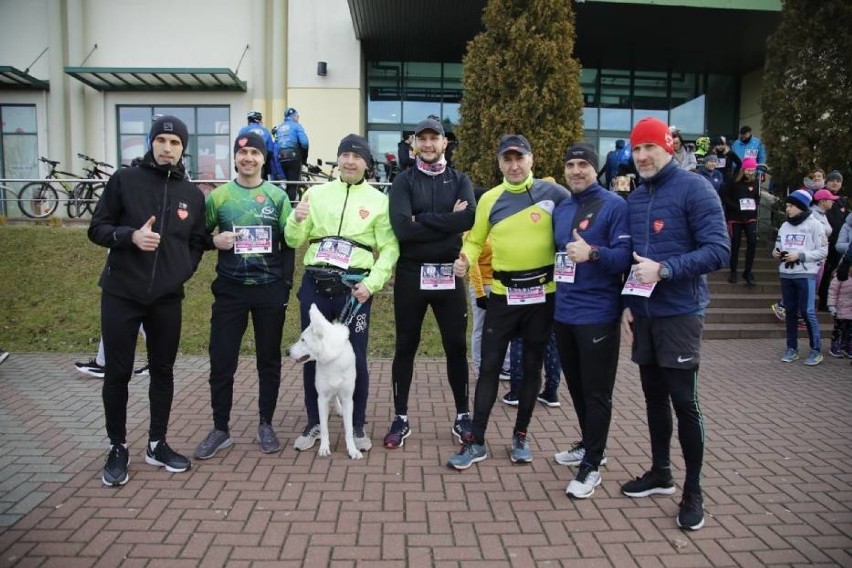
(514, 142)
(429, 124)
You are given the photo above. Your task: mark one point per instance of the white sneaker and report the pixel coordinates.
(309, 437)
(574, 456)
(582, 486)
(362, 440)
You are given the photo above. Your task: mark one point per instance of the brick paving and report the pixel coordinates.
(777, 477)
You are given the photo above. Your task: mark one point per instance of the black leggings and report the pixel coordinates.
(736, 231)
(450, 309)
(680, 386)
(120, 319)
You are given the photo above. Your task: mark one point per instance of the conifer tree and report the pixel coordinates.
(807, 95)
(520, 77)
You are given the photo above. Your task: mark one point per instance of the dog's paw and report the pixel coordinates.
(355, 455)
(324, 451)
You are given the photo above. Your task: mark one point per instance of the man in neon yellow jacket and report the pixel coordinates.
(346, 222)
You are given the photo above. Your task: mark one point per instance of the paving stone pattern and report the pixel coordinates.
(776, 478)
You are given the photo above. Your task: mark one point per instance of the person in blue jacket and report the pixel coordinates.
(679, 235)
(271, 168)
(591, 233)
(709, 170)
(749, 146)
(292, 149)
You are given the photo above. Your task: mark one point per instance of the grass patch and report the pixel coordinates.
(49, 289)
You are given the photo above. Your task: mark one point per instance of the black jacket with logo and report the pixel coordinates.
(130, 198)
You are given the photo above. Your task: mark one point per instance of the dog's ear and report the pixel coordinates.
(318, 321)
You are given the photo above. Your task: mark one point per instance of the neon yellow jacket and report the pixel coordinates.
(355, 212)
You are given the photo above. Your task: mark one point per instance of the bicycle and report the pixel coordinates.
(315, 173)
(40, 199)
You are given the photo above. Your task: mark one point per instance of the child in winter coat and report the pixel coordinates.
(840, 306)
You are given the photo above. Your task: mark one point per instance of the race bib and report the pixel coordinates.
(435, 276)
(635, 288)
(748, 204)
(333, 251)
(525, 296)
(252, 239)
(794, 242)
(563, 268)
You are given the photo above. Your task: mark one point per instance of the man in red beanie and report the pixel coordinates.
(678, 228)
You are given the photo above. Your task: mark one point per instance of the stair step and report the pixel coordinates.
(755, 316)
(761, 287)
(755, 331)
(746, 300)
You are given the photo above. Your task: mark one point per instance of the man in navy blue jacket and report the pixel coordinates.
(592, 234)
(678, 229)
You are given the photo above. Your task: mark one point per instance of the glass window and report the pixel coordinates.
(615, 119)
(689, 117)
(640, 113)
(208, 152)
(590, 118)
(18, 150)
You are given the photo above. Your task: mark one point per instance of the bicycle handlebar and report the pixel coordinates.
(94, 161)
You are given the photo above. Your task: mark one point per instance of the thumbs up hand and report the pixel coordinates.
(145, 238)
(645, 270)
(578, 250)
(461, 265)
(303, 208)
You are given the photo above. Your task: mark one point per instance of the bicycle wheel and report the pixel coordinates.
(76, 204)
(38, 200)
(93, 195)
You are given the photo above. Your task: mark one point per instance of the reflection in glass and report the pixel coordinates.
(131, 146)
(689, 117)
(384, 112)
(615, 119)
(212, 119)
(134, 120)
(641, 113)
(590, 118)
(186, 114)
(20, 119)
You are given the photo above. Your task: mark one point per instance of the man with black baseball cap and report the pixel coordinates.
(593, 239)
(254, 275)
(517, 215)
(431, 205)
(152, 220)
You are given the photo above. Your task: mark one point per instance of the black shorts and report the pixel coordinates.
(673, 342)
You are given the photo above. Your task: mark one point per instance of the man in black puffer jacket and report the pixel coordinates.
(152, 220)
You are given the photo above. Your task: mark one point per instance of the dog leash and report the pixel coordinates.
(352, 305)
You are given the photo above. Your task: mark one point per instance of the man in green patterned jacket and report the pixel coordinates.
(254, 274)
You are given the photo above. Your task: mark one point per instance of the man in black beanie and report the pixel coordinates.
(254, 274)
(152, 220)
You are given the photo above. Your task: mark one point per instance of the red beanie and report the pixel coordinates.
(653, 131)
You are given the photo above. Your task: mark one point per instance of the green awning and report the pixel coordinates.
(157, 78)
(13, 78)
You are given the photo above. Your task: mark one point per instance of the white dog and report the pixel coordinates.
(328, 344)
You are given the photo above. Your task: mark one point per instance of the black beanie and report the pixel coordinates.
(358, 145)
(250, 139)
(582, 151)
(170, 125)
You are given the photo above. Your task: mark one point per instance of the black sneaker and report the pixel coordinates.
(141, 371)
(115, 470)
(399, 431)
(691, 515)
(163, 456)
(510, 398)
(549, 399)
(90, 368)
(651, 483)
(462, 425)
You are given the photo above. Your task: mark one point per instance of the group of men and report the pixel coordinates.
(559, 260)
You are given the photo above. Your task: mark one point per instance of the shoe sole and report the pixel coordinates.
(226, 444)
(653, 491)
(509, 402)
(151, 461)
(401, 442)
(302, 449)
(117, 483)
(546, 402)
(692, 528)
(575, 463)
(812, 363)
(470, 463)
(520, 460)
(91, 373)
(783, 360)
(585, 495)
(456, 434)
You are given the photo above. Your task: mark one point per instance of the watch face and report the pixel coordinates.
(594, 254)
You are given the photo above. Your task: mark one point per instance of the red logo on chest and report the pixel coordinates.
(658, 225)
(584, 224)
(536, 217)
(364, 213)
(259, 199)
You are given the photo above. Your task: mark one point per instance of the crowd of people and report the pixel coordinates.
(563, 271)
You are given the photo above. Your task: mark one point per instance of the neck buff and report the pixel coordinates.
(434, 169)
(797, 219)
(523, 186)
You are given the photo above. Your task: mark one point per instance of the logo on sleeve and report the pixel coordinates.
(658, 225)
(182, 211)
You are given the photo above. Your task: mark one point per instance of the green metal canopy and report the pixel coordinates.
(157, 78)
(13, 78)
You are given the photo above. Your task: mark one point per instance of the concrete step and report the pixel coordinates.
(762, 315)
(742, 300)
(761, 274)
(757, 331)
(761, 287)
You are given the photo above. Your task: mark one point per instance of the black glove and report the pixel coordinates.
(482, 302)
(790, 265)
(842, 272)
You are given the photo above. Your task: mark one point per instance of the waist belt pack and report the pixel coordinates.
(287, 154)
(332, 282)
(525, 278)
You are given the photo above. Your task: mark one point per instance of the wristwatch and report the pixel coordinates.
(665, 272)
(594, 254)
